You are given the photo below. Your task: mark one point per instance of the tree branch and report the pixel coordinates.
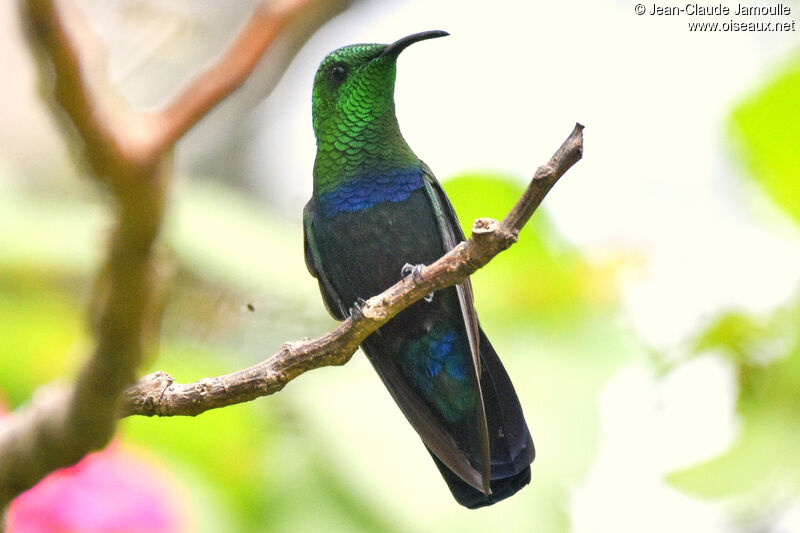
(159, 395)
(232, 69)
(79, 86)
(127, 151)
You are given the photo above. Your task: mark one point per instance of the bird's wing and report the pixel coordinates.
(452, 235)
(333, 303)
(418, 412)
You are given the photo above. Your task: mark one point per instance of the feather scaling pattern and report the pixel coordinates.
(376, 207)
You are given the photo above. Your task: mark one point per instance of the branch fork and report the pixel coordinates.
(127, 151)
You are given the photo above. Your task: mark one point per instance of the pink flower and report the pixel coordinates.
(111, 491)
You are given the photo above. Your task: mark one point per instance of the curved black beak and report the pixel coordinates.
(403, 43)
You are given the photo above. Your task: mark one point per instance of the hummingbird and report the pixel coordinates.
(377, 214)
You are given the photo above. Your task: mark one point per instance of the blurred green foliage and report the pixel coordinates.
(766, 353)
(333, 441)
(36, 345)
(318, 444)
(764, 348)
(766, 128)
(542, 276)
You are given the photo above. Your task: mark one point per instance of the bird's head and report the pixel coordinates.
(354, 87)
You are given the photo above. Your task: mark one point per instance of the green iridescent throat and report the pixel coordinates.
(354, 120)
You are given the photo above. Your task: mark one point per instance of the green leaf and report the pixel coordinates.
(540, 275)
(766, 128)
(766, 350)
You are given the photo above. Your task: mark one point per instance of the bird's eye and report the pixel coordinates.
(339, 73)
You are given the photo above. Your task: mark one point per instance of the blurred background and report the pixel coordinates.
(649, 316)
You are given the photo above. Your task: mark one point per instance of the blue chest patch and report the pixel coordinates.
(370, 189)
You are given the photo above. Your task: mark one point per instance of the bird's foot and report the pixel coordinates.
(414, 270)
(416, 275)
(356, 312)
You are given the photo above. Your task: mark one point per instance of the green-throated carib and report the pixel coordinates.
(375, 210)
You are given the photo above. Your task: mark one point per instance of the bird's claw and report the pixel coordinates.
(356, 312)
(416, 275)
(414, 270)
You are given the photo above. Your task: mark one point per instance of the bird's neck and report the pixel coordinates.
(354, 148)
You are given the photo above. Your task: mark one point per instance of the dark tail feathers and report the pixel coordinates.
(510, 441)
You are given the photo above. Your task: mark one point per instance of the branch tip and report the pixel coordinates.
(481, 226)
